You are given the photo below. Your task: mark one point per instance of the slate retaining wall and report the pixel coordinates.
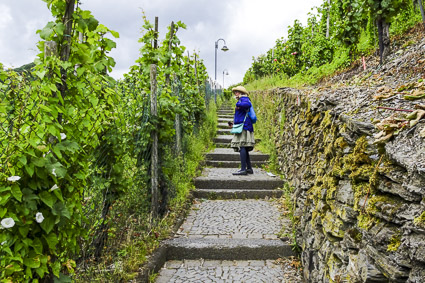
(359, 206)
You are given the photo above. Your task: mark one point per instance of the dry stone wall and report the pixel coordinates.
(359, 206)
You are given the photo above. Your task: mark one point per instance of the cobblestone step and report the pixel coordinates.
(227, 249)
(225, 120)
(223, 131)
(224, 271)
(227, 139)
(237, 194)
(228, 116)
(225, 112)
(222, 178)
(228, 154)
(231, 164)
(222, 126)
(230, 230)
(222, 145)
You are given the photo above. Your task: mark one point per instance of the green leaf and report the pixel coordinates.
(60, 209)
(30, 169)
(62, 279)
(51, 240)
(53, 130)
(28, 195)
(70, 146)
(4, 189)
(38, 246)
(41, 74)
(4, 199)
(16, 192)
(32, 262)
(23, 230)
(47, 224)
(39, 162)
(45, 108)
(48, 198)
(92, 24)
(60, 28)
(56, 267)
(47, 31)
(23, 160)
(3, 211)
(59, 170)
(114, 33)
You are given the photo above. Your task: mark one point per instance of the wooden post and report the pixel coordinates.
(67, 21)
(50, 48)
(155, 44)
(170, 45)
(178, 129)
(421, 7)
(154, 154)
(328, 19)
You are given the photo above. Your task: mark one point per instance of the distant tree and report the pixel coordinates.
(26, 67)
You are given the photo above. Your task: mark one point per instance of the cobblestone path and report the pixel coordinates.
(223, 271)
(237, 219)
(231, 232)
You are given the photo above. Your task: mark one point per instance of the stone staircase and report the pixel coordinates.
(230, 234)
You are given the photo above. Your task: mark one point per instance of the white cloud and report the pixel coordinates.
(5, 16)
(250, 28)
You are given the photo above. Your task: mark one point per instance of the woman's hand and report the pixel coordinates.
(230, 124)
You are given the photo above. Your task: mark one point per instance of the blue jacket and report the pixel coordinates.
(243, 104)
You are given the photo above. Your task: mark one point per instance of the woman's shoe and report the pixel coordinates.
(250, 171)
(240, 172)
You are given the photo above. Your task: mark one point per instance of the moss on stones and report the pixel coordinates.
(420, 220)
(395, 243)
(365, 221)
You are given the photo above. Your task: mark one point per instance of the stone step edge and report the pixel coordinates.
(234, 156)
(231, 163)
(227, 249)
(203, 183)
(236, 194)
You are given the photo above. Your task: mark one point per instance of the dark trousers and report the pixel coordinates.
(245, 161)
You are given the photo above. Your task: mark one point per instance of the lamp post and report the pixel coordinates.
(224, 48)
(225, 72)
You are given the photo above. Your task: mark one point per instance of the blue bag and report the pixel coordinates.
(238, 128)
(251, 114)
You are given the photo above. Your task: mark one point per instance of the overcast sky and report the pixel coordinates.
(249, 27)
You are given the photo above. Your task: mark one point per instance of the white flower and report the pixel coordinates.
(8, 223)
(3, 243)
(54, 172)
(63, 136)
(14, 178)
(54, 188)
(39, 217)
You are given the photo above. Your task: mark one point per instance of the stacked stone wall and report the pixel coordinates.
(359, 206)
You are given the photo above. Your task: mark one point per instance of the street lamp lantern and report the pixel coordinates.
(224, 48)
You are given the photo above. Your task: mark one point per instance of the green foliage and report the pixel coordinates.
(307, 55)
(74, 144)
(52, 134)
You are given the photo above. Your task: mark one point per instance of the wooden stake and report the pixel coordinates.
(154, 154)
(155, 43)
